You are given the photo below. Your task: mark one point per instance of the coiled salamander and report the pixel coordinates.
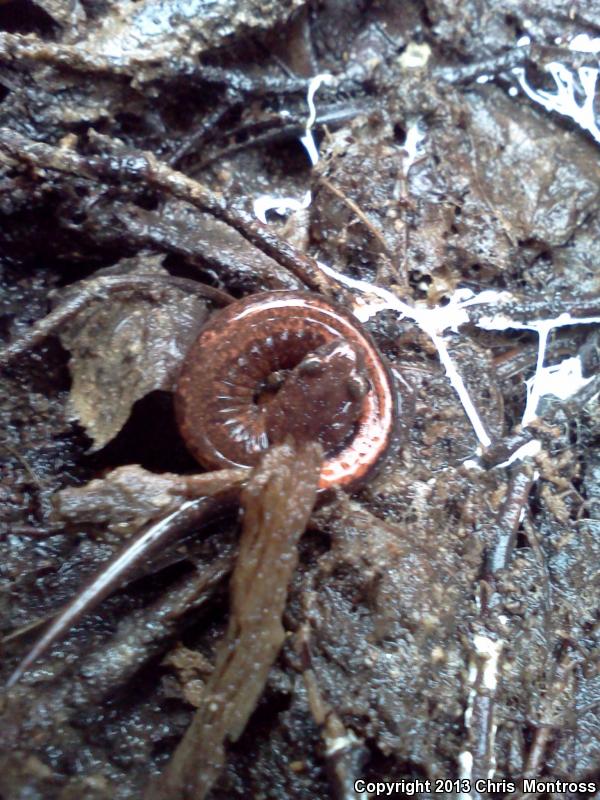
(333, 386)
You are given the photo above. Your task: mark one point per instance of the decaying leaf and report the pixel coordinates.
(542, 186)
(133, 37)
(124, 347)
(129, 497)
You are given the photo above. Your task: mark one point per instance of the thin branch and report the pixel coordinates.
(87, 292)
(120, 167)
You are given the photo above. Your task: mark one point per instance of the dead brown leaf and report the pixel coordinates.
(125, 347)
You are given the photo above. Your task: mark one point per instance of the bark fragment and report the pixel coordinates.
(277, 501)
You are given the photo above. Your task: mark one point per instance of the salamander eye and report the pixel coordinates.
(275, 380)
(358, 387)
(311, 365)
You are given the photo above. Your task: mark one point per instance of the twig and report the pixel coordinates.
(144, 544)
(198, 137)
(509, 517)
(465, 73)
(277, 128)
(143, 633)
(241, 265)
(345, 753)
(524, 311)
(506, 62)
(478, 759)
(120, 167)
(376, 233)
(556, 704)
(278, 500)
(95, 289)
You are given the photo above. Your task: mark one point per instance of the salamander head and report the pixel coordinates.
(322, 398)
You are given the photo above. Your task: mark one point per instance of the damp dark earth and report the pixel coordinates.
(431, 169)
